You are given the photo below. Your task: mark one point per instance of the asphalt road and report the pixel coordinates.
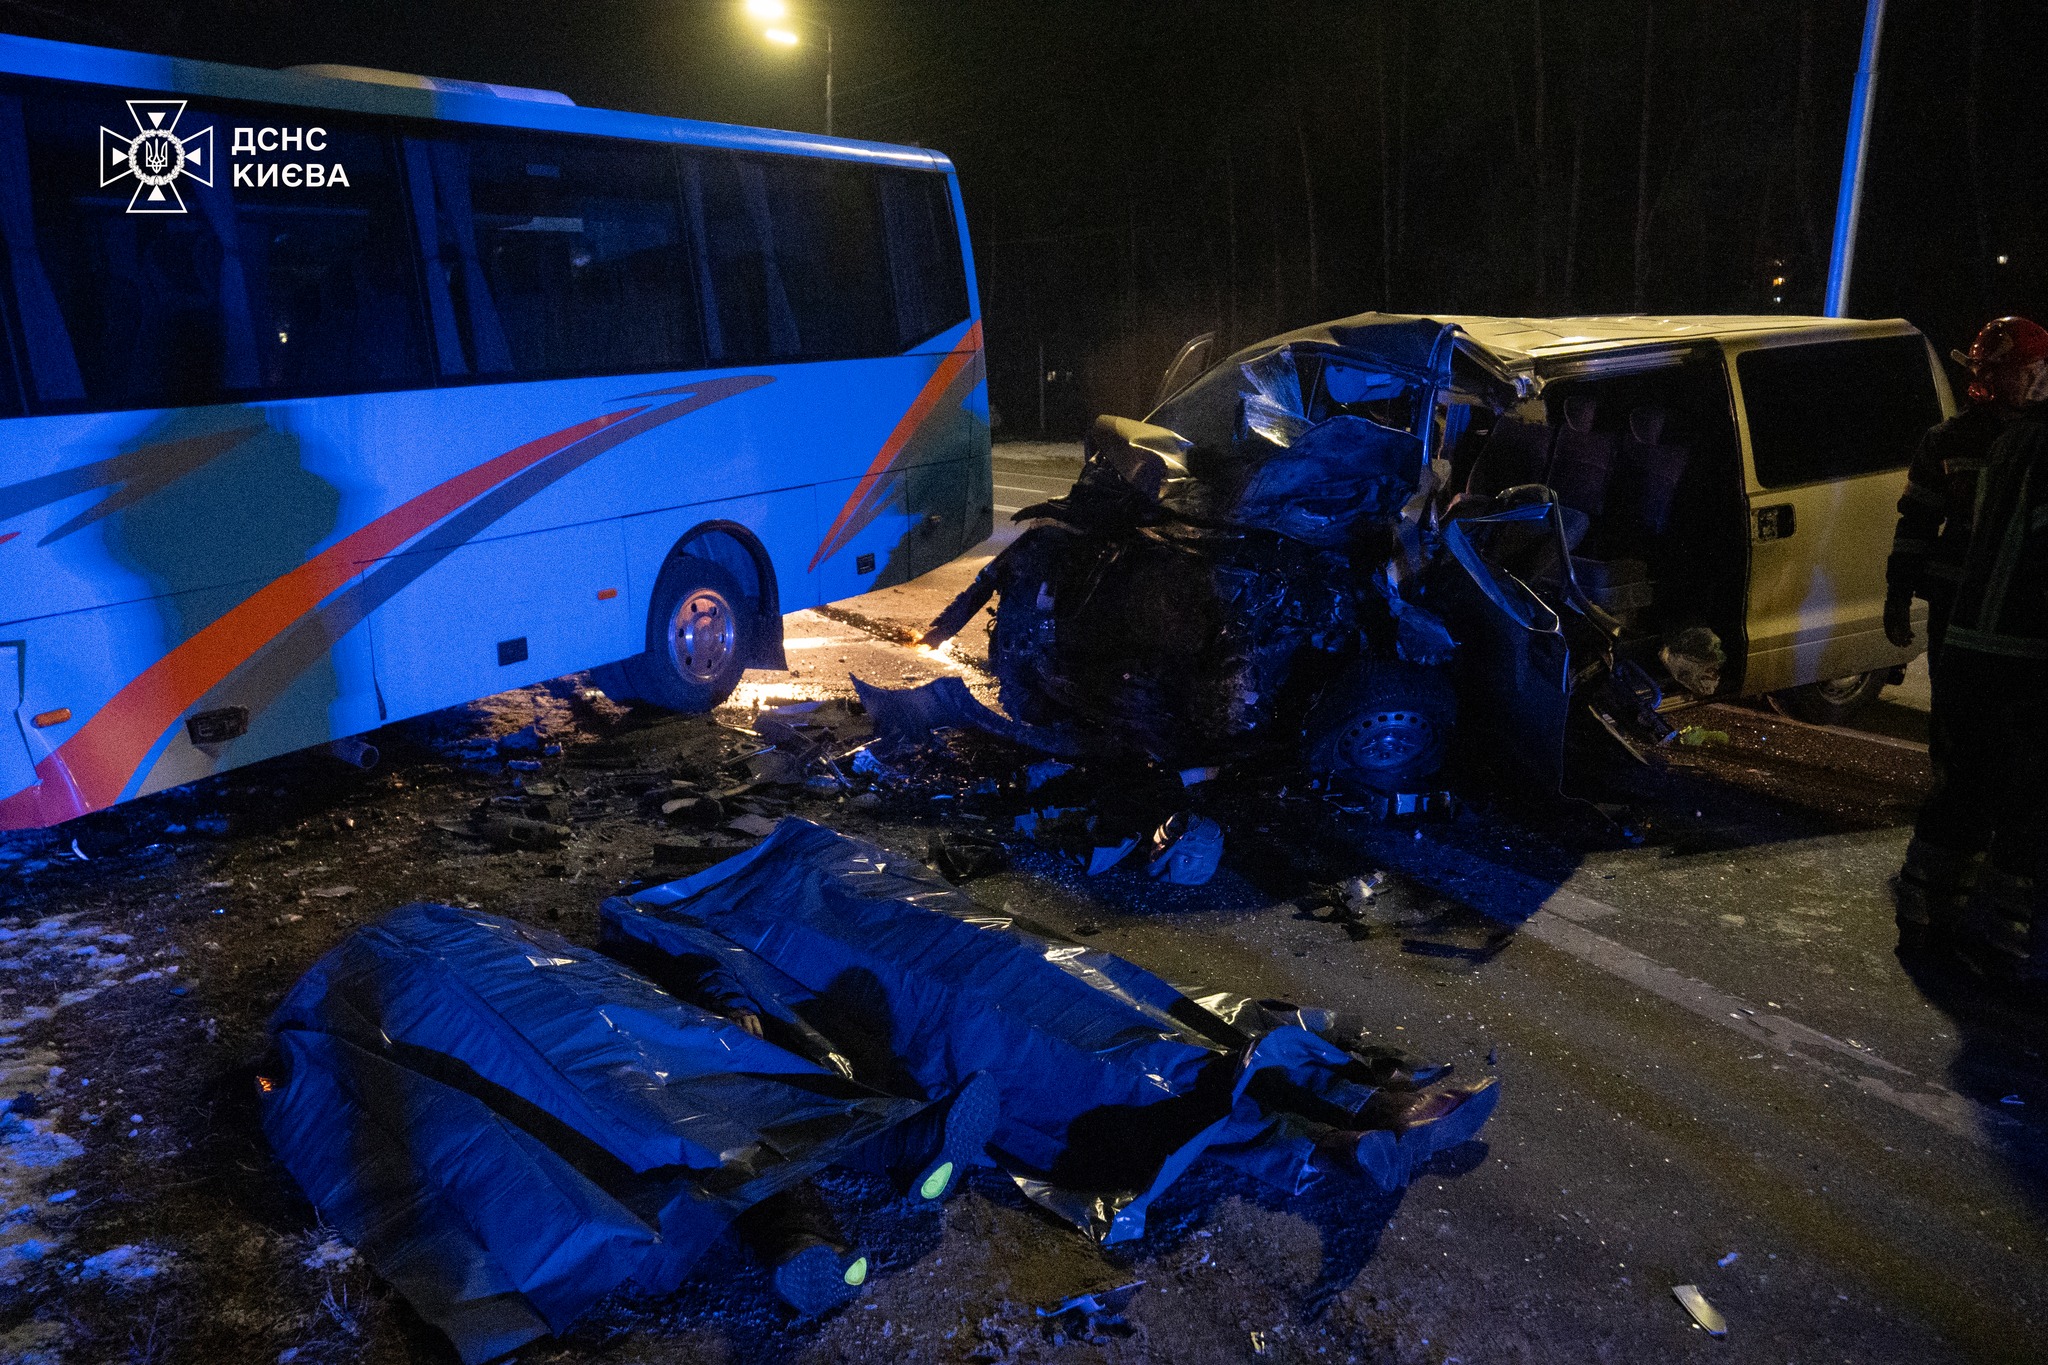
(1714, 1070)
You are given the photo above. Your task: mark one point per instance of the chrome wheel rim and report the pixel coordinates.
(1840, 691)
(702, 635)
(1382, 740)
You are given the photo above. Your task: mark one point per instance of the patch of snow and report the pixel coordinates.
(332, 1254)
(31, 1143)
(125, 1264)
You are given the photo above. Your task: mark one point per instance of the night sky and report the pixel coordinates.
(1136, 173)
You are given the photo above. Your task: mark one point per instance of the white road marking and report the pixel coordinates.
(1560, 921)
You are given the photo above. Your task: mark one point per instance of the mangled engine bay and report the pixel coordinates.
(1273, 561)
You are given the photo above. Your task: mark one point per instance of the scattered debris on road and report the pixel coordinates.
(1091, 1316)
(508, 1126)
(1704, 1315)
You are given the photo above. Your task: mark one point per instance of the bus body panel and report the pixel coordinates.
(17, 768)
(500, 613)
(528, 566)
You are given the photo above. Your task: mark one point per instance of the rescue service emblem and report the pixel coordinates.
(156, 156)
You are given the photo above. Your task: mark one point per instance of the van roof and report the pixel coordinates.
(1519, 343)
(457, 101)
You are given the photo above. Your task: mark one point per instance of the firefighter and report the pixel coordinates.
(1992, 698)
(1929, 553)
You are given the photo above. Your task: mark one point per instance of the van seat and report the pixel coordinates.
(1619, 587)
(1583, 461)
(1653, 465)
(1516, 453)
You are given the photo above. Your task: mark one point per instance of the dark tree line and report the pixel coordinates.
(1248, 169)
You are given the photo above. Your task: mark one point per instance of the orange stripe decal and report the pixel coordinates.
(90, 769)
(921, 407)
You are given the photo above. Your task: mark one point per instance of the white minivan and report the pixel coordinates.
(1388, 538)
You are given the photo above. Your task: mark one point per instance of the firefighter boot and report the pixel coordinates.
(1928, 895)
(1997, 931)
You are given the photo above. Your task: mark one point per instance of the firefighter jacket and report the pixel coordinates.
(1933, 535)
(2002, 603)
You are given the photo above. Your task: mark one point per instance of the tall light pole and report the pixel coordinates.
(1849, 200)
(783, 34)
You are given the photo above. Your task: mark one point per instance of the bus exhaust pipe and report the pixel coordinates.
(354, 752)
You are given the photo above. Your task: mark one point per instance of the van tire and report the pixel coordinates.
(1832, 702)
(1385, 726)
(700, 629)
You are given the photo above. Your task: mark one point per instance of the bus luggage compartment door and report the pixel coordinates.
(497, 614)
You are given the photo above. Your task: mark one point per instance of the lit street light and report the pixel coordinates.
(783, 34)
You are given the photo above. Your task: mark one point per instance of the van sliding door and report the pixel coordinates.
(1828, 430)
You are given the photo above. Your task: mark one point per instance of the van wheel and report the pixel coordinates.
(699, 635)
(1831, 702)
(1385, 725)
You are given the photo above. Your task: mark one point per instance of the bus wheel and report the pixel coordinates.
(698, 629)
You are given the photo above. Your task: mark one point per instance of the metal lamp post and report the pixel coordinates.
(1849, 201)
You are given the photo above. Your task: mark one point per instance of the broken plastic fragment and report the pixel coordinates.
(1038, 774)
(1089, 1313)
(1703, 1313)
(962, 856)
(1104, 858)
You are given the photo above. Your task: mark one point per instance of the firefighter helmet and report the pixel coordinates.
(2008, 362)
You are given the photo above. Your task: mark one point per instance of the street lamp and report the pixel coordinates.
(783, 34)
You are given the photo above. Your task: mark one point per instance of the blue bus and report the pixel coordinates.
(330, 397)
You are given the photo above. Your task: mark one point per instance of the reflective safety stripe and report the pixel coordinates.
(1993, 606)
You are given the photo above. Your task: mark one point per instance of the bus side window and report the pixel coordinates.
(828, 248)
(553, 256)
(791, 252)
(222, 293)
(747, 314)
(51, 372)
(925, 271)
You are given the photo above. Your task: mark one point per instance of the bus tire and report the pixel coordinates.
(699, 628)
(615, 681)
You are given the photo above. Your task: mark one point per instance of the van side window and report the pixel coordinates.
(792, 255)
(250, 292)
(1838, 408)
(925, 270)
(552, 256)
